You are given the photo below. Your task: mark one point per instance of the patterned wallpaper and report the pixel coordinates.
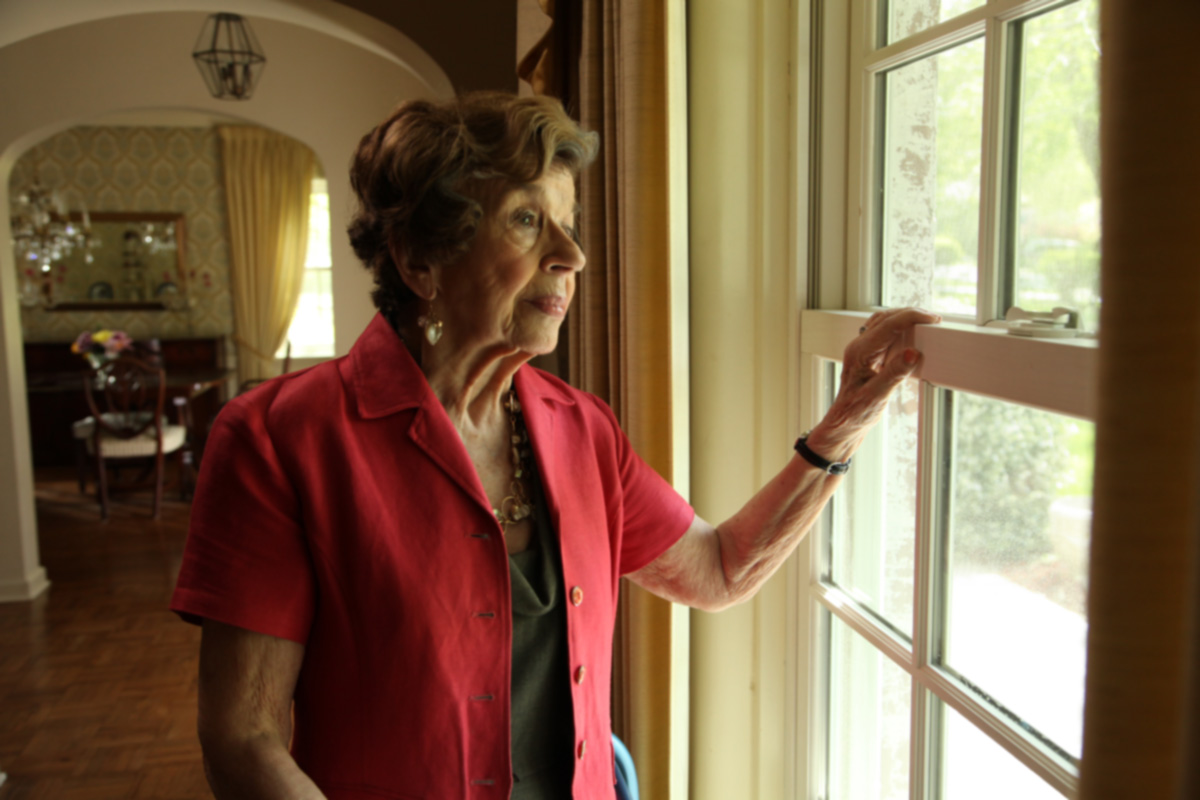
(140, 169)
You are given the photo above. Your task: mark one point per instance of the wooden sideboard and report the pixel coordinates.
(195, 369)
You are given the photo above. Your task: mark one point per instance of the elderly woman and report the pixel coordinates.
(406, 560)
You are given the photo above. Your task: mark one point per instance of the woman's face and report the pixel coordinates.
(511, 289)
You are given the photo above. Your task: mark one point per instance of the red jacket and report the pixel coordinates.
(338, 508)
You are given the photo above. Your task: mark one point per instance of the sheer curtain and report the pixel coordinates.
(607, 60)
(1141, 734)
(268, 181)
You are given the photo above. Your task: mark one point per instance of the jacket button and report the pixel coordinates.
(580, 674)
(581, 751)
(576, 595)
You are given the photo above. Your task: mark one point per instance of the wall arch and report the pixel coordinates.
(27, 18)
(330, 77)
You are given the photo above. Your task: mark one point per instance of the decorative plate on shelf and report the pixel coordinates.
(101, 290)
(166, 289)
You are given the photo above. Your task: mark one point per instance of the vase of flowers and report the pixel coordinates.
(101, 346)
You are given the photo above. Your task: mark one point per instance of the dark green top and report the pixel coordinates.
(543, 727)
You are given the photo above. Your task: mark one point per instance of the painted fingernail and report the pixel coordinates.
(910, 356)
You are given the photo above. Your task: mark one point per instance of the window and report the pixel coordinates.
(311, 331)
(948, 576)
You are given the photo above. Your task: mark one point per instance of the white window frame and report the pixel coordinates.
(961, 354)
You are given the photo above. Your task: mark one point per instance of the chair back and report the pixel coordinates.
(126, 396)
(149, 351)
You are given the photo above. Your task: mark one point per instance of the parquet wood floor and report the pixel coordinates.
(97, 677)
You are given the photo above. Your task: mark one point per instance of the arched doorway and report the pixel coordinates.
(332, 73)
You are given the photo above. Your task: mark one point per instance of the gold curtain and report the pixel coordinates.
(607, 61)
(1141, 723)
(268, 181)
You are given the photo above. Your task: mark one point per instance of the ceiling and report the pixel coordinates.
(474, 41)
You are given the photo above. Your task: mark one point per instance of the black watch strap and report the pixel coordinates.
(823, 464)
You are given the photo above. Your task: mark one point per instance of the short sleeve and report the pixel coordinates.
(655, 516)
(246, 561)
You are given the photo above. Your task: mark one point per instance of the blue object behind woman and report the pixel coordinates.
(627, 785)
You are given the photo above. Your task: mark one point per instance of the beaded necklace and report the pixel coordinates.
(517, 505)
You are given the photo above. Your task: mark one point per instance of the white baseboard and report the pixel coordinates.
(24, 590)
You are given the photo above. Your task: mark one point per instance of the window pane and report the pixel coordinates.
(906, 17)
(1019, 533)
(311, 332)
(875, 513)
(319, 254)
(1057, 221)
(933, 124)
(868, 720)
(976, 768)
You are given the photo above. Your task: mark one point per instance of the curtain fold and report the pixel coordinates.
(607, 61)
(268, 182)
(1142, 692)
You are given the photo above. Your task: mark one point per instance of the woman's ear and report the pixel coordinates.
(420, 278)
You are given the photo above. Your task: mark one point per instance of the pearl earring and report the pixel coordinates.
(432, 327)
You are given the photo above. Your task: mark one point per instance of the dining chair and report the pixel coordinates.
(126, 398)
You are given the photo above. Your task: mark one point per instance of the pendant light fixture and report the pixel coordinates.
(229, 57)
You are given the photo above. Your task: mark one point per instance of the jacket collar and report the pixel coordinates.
(382, 373)
(534, 385)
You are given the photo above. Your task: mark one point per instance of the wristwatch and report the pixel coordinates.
(823, 464)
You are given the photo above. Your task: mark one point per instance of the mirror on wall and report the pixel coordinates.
(136, 263)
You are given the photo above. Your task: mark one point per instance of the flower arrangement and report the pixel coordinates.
(101, 346)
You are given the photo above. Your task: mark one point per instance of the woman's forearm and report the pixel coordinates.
(257, 768)
(756, 540)
(712, 568)
(247, 680)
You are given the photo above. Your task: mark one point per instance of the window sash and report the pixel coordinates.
(1054, 376)
(867, 64)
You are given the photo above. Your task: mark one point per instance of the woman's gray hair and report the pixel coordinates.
(409, 172)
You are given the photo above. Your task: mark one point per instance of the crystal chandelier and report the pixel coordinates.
(44, 233)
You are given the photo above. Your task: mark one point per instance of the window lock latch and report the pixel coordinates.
(1058, 323)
